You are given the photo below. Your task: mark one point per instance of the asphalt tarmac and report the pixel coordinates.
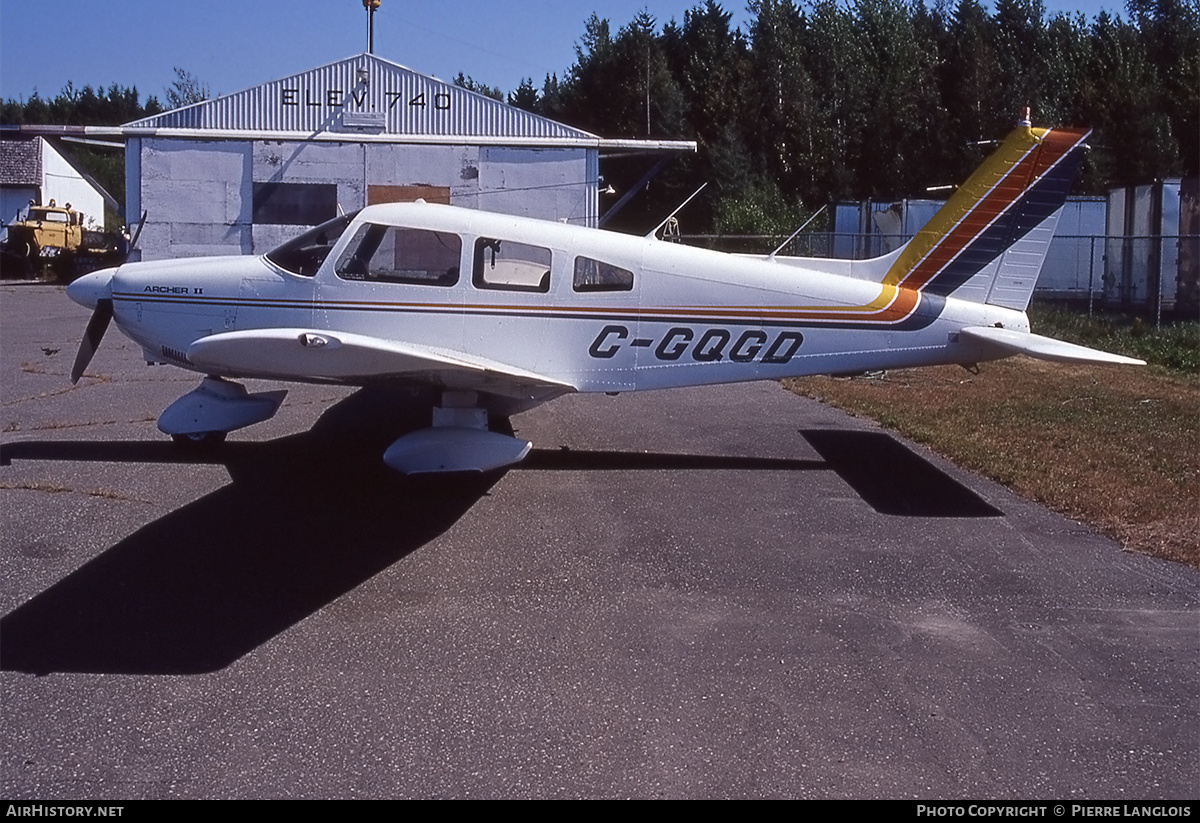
(725, 592)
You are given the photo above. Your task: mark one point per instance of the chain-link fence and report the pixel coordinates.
(1155, 276)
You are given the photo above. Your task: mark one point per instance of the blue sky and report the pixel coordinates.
(234, 44)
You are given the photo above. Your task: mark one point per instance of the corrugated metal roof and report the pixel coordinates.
(21, 162)
(363, 94)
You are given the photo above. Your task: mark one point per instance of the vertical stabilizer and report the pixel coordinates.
(988, 243)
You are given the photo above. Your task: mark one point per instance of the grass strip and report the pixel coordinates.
(1116, 447)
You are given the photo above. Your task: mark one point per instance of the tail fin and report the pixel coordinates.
(988, 242)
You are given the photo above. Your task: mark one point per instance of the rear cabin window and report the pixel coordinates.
(596, 275)
(393, 254)
(512, 266)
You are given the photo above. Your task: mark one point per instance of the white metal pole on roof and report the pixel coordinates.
(370, 6)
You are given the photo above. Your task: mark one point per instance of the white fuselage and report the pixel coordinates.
(689, 317)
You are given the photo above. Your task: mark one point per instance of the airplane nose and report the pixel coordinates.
(92, 288)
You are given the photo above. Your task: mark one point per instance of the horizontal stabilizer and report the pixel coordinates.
(1043, 348)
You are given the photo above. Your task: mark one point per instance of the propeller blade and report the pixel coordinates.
(96, 327)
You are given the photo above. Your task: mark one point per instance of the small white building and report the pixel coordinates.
(32, 169)
(243, 172)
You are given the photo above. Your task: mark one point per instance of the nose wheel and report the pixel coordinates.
(199, 441)
(201, 418)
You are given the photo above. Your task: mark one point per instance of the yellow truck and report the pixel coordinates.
(54, 236)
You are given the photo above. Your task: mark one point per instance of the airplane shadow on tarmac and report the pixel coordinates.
(305, 519)
(312, 516)
(886, 474)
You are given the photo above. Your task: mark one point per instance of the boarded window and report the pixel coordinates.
(294, 204)
(407, 194)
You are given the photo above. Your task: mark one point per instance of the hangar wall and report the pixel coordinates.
(196, 195)
(200, 195)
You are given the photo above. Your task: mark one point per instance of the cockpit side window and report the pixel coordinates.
(512, 266)
(596, 275)
(395, 254)
(303, 255)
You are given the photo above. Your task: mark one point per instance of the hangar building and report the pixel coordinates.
(240, 173)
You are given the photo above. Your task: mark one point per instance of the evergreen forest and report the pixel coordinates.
(821, 101)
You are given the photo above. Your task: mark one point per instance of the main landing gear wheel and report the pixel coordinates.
(199, 441)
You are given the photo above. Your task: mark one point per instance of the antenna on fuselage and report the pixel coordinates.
(678, 208)
(792, 236)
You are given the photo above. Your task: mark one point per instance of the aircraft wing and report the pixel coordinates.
(307, 354)
(1043, 348)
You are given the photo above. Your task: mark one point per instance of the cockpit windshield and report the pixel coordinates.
(48, 216)
(303, 255)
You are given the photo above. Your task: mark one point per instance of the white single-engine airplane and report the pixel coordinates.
(500, 313)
